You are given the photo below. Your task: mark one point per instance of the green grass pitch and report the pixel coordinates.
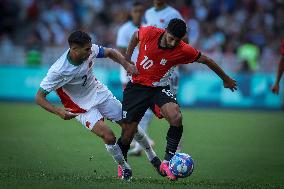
(231, 149)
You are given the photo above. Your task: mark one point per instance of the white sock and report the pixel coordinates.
(145, 121)
(116, 153)
(142, 139)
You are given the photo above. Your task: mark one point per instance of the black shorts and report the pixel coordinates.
(138, 98)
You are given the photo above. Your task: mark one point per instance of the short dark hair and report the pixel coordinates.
(177, 27)
(79, 38)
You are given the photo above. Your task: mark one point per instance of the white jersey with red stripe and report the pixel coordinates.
(76, 85)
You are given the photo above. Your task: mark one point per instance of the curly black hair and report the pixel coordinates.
(177, 27)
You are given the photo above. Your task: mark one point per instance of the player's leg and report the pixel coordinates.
(103, 131)
(93, 121)
(111, 109)
(171, 112)
(174, 81)
(135, 103)
(144, 123)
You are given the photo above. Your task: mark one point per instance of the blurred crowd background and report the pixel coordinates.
(241, 35)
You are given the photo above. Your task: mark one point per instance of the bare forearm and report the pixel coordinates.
(44, 103)
(131, 46)
(280, 70)
(117, 57)
(213, 66)
(122, 50)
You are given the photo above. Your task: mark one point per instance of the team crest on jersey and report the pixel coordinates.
(163, 62)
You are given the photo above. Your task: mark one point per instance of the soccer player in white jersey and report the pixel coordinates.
(87, 99)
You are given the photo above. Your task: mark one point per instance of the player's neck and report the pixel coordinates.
(160, 7)
(162, 42)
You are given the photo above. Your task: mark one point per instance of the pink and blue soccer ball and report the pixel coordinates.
(181, 165)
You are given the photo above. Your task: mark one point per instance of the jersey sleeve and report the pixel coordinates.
(99, 51)
(190, 54)
(122, 38)
(53, 81)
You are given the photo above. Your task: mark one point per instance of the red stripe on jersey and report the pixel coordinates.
(68, 103)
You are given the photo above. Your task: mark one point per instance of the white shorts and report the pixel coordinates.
(110, 109)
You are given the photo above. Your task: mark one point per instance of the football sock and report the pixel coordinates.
(142, 139)
(173, 137)
(116, 153)
(124, 148)
(145, 121)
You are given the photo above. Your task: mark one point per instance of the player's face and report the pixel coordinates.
(137, 13)
(84, 52)
(171, 41)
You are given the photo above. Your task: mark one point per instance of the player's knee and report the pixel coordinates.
(109, 138)
(175, 117)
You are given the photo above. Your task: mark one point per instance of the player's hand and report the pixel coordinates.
(65, 113)
(275, 88)
(230, 83)
(131, 69)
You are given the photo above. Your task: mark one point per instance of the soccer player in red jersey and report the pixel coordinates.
(159, 52)
(275, 88)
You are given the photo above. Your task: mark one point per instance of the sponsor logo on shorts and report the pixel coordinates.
(124, 114)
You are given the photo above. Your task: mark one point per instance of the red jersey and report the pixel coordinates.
(156, 63)
(282, 49)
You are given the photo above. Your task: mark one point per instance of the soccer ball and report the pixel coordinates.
(181, 165)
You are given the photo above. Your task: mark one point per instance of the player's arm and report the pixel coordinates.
(227, 81)
(122, 50)
(116, 56)
(280, 70)
(41, 100)
(132, 44)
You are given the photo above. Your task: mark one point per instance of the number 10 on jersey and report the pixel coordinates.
(146, 63)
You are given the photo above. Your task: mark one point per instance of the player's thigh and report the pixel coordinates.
(166, 101)
(136, 100)
(90, 118)
(111, 109)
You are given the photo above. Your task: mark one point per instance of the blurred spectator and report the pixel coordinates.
(215, 27)
(248, 53)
